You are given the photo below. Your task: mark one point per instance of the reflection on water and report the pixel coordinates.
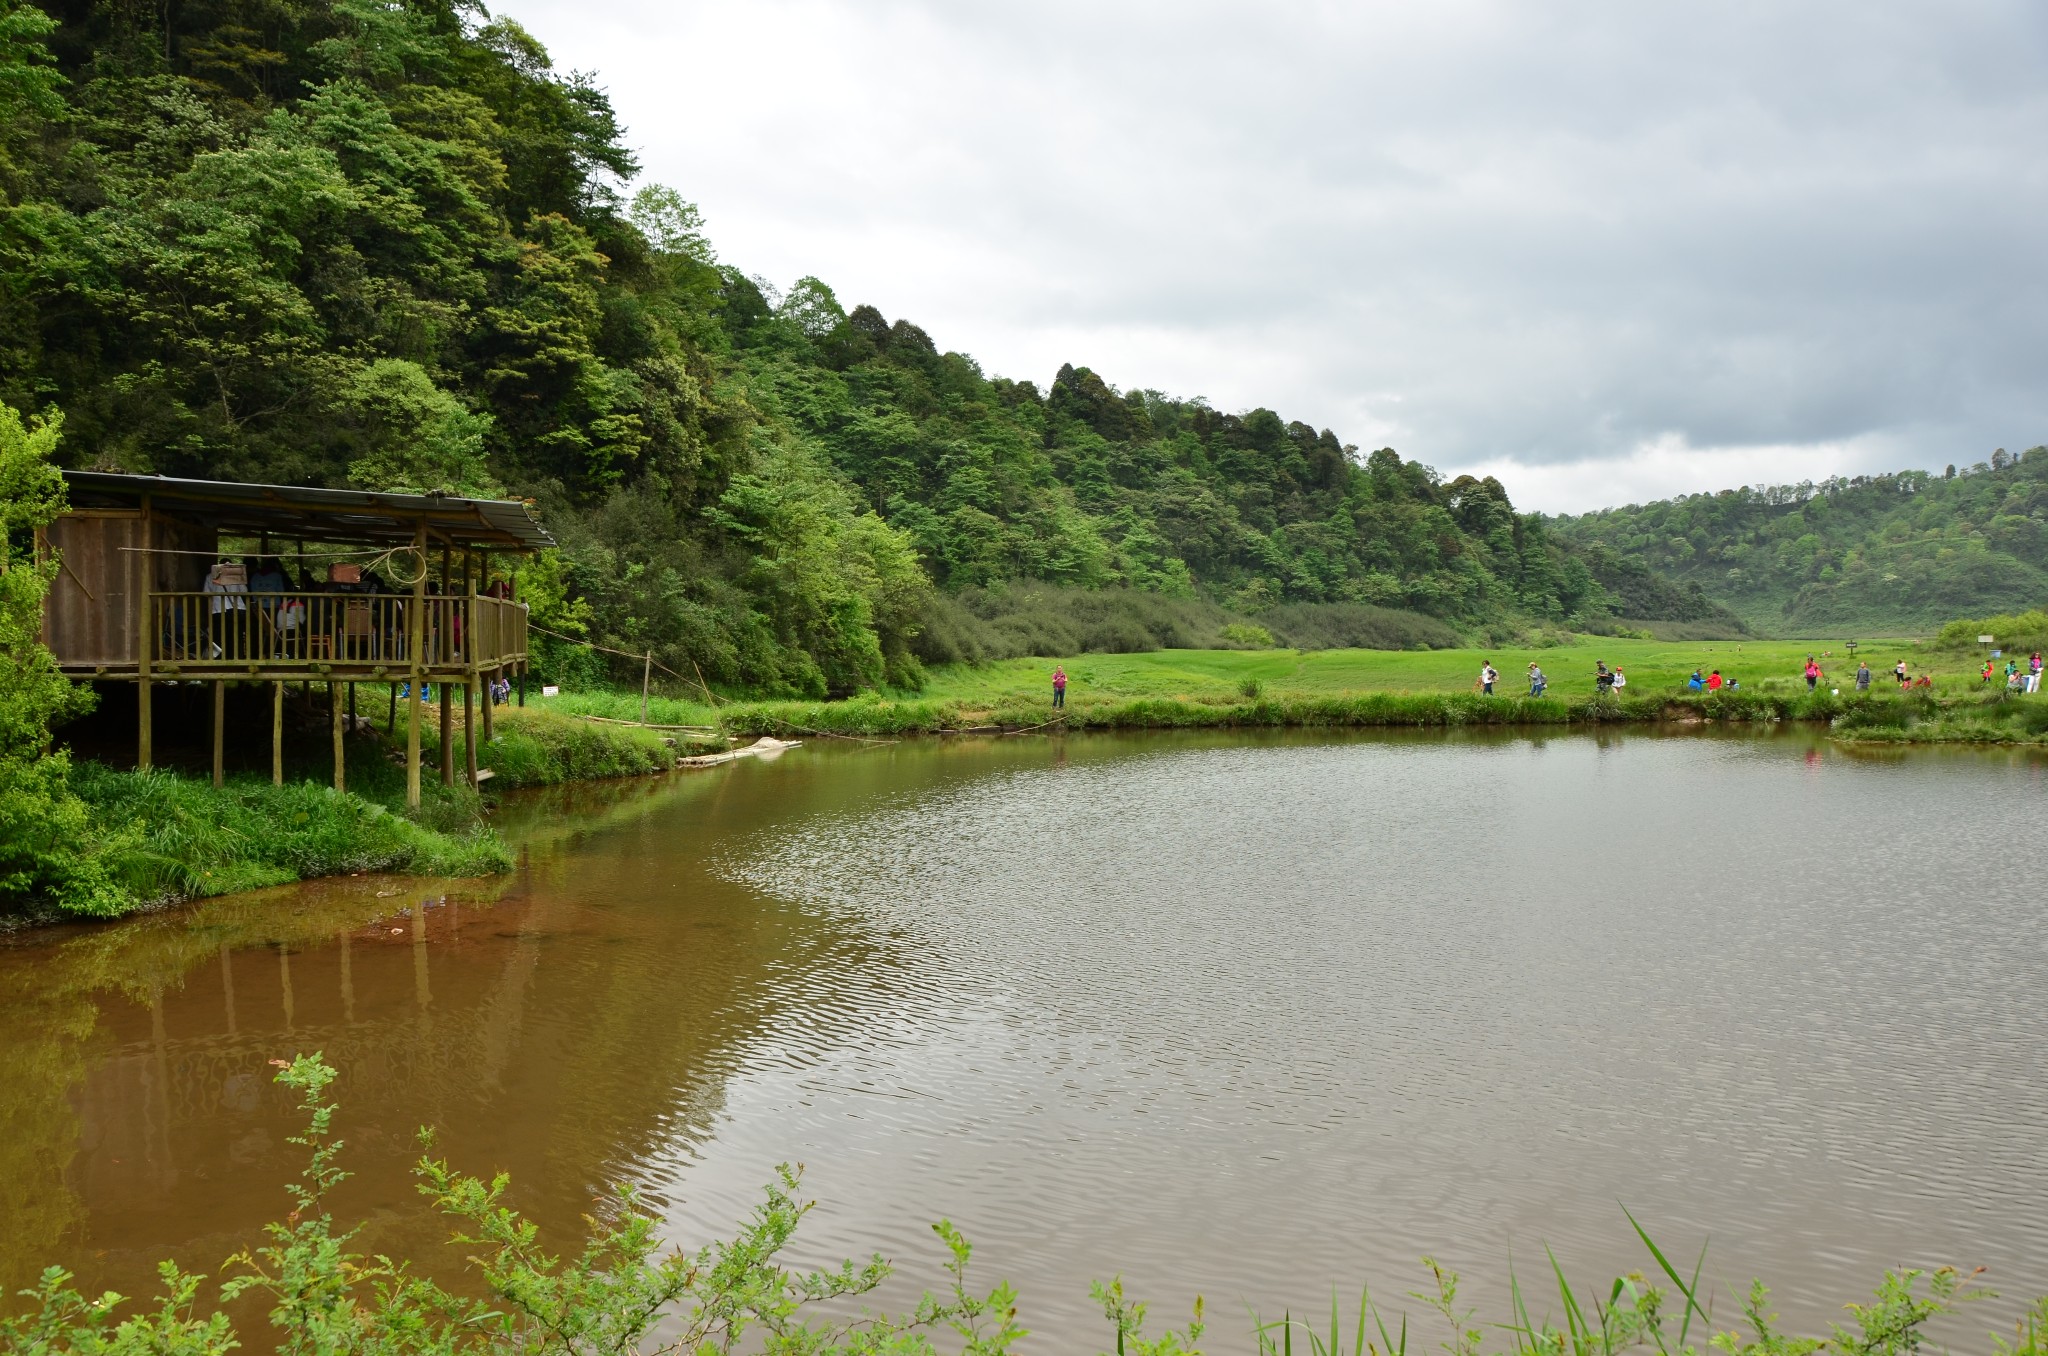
(1243, 1017)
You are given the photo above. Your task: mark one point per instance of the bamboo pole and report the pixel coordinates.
(143, 575)
(469, 732)
(220, 704)
(415, 642)
(334, 720)
(277, 734)
(646, 675)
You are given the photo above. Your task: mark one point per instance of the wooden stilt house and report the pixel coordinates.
(166, 581)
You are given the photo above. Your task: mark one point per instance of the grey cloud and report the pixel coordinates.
(1501, 234)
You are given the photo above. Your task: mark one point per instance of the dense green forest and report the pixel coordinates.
(385, 243)
(1891, 552)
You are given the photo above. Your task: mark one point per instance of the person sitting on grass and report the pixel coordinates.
(1714, 681)
(1695, 683)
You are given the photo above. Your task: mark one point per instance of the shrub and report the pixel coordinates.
(1247, 635)
(46, 839)
(1357, 626)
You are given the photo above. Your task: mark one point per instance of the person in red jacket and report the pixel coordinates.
(1714, 681)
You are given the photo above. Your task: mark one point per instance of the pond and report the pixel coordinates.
(1251, 1017)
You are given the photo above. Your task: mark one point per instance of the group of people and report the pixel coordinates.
(2017, 679)
(1606, 681)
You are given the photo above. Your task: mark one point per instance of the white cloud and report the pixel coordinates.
(1569, 240)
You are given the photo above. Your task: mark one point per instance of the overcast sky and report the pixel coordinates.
(1605, 252)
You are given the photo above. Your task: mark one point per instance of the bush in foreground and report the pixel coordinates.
(622, 1295)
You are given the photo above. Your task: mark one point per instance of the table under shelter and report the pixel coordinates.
(168, 581)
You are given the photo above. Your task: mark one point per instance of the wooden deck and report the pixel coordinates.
(313, 636)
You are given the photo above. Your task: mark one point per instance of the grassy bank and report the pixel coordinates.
(163, 837)
(542, 746)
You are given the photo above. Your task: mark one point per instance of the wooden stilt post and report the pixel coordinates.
(277, 733)
(391, 721)
(646, 675)
(141, 575)
(220, 707)
(334, 720)
(469, 731)
(415, 644)
(447, 734)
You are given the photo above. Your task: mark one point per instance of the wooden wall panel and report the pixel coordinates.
(89, 618)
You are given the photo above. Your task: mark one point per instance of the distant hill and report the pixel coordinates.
(1901, 553)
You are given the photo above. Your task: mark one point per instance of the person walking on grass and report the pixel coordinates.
(1537, 682)
(1899, 672)
(1059, 687)
(1487, 677)
(1812, 674)
(1862, 677)
(2034, 672)
(1603, 678)
(1620, 678)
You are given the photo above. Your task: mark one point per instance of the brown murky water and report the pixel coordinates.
(1253, 1018)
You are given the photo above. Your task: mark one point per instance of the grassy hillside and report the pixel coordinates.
(1900, 553)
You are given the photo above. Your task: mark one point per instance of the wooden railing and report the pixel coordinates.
(235, 630)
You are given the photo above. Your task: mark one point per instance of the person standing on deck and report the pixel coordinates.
(1059, 687)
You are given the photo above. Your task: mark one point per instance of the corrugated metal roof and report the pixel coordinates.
(317, 514)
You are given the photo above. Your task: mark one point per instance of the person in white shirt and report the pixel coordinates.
(227, 588)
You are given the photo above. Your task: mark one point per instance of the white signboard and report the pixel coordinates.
(1985, 640)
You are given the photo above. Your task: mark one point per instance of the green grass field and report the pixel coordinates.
(1169, 689)
(1651, 666)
